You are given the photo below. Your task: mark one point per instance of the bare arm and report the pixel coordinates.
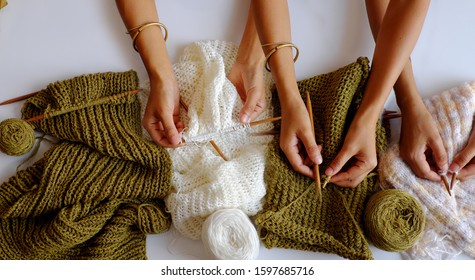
(273, 25)
(161, 117)
(419, 134)
(396, 30)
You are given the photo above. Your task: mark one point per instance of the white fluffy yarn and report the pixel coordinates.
(202, 181)
(450, 220)
(229, 234)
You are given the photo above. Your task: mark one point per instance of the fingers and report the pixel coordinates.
(439, 154)
(253, 106)
(311, 147)
(421, 167)
(468, 172)
(297, 162)
(355, 174)
(165, 133)
(463, 158)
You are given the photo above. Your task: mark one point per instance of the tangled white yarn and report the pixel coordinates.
(229, 234)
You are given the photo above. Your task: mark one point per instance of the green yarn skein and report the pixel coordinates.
(17, 137)
(394, 220)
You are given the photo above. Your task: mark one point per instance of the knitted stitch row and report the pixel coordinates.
(203, 182)
(292, 216)
(450, 220)
(99, 191)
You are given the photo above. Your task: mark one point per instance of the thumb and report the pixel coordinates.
(311, 147)
(253, 106)
(338, 162)
(171, 131)
(439, 153)
(462, 158)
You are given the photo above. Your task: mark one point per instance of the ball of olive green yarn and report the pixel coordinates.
(394, 220)
(16, 137)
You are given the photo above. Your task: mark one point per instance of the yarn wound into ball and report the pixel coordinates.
(228, 234)
(17, 137)
(394, 220)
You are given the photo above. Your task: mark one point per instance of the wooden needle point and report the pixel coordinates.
(316, 168)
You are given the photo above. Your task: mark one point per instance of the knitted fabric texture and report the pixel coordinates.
(450, 220)
(202, 181)
(292, 216)
(99, 191)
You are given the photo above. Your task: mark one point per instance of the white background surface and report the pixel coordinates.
(50, 40)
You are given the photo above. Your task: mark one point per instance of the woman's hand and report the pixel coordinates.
(464, 161)
(421, 145)
(162, 114)
(248, 78)
(356, 158)
(297, 140)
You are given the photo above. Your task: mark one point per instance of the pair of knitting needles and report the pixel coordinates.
(213, 143)
(445, 180)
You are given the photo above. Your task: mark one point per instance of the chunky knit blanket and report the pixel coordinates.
(450, 220)
(203, 182)
(99, 191)
(292, 216)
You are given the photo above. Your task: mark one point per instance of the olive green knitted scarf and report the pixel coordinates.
(98, 192)
(292, 216)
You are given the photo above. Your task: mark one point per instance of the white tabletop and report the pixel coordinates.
(50, 40)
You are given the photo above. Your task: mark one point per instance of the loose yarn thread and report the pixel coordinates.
(394, 220)
(17, 137)
(229, 234)
(206, 137)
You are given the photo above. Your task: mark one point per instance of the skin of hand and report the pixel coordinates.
(464, 162)
(421, 146)
(161, 118)
(397, 25)
(296, 137)
(247, 73)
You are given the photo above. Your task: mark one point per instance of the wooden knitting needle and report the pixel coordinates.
(265, 121)
(19, 98)
(446, 182)
(215, 146)
(100, 101)
(316, 169)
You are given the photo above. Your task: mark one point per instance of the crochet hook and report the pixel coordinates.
(316, 168)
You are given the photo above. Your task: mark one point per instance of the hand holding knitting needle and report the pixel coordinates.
(356, 158)
(463, 164)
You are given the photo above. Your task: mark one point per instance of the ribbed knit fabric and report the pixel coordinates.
(99, 191)
(292, 216)
(203, 182)
(450, 220)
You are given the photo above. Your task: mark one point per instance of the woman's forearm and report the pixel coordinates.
(150, 42)
(396, 32)
(273, 26)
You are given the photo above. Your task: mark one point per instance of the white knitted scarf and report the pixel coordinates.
(450, 220)
(202, 181)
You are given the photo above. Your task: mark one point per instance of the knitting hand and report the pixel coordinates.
(162, 114)
(297, 140)
(464, 161)
(356, 158)
(421, 145)
(249, 82)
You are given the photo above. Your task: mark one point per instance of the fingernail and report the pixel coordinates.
(318, 159)
(454, 168)
(244, 118)
(329, 171)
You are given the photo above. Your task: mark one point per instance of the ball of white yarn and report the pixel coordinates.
(229, 234)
